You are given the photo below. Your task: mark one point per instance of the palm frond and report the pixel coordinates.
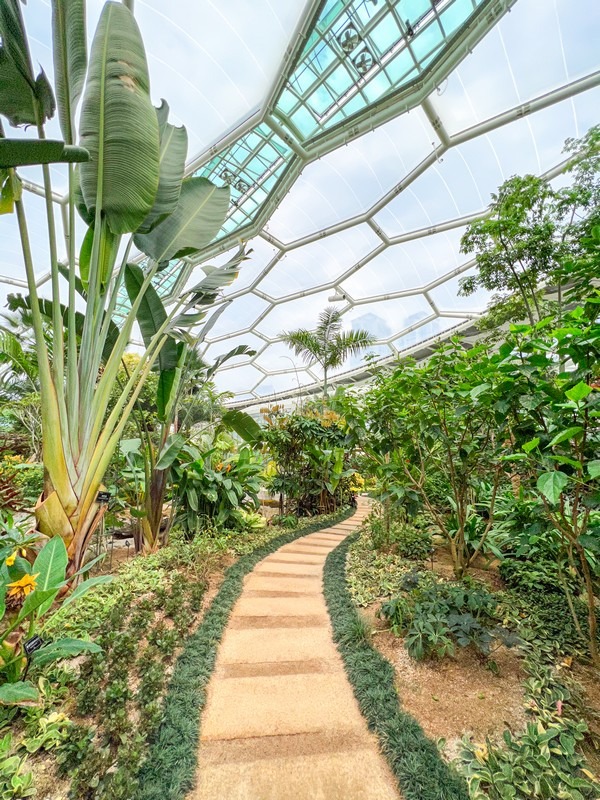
(330, 322)
(346, 344)
(305, 344)
(20, 360)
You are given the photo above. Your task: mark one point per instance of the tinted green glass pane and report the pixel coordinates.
(454, 16)
(304, 121)
(386, 34)
(427, 40)
(377, 87)
(401, 68)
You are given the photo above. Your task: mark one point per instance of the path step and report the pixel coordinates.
(281, 721)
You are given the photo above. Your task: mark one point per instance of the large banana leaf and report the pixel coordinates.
(173, 149)
(22, 95)
(17, 102)
(194, 223)
(24, 152)
(19, 302)
(118, 124)
(70, 59)
(151, 317)
(243, 424)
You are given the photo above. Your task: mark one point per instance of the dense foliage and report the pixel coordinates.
(310, 465)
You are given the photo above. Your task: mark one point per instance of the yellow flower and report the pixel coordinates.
(481, 753)
(23, 586)
(11, 559)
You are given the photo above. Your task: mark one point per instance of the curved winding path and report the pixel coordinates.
(281, 721)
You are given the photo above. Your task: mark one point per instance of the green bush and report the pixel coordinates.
(537, 577)
(541, 763)
(436, 616)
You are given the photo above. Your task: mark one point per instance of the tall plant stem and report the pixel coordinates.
(72, 372)
(58, 356)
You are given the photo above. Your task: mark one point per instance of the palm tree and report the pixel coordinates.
(328, 345)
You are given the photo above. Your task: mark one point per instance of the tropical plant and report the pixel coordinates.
(182, 375)
(436, 418)
(27, 592)
(328, 345)
(311, 466)
(210, 489)
(551, 416)
(533, 236)
(129, 183)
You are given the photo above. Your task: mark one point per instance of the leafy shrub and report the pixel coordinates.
(15, 782)
(389, 530)
(372, 575)
(436, 616)
(26, 478)
(285, 520)
(538, 577)
(541, 763)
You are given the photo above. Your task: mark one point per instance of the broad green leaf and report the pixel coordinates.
(151, 315)
(477, 390)
(173, 149)
(63, 648)
(173, 447)
(578, 392)
(3, 590)
(192, 498)
(194, 223)
(164, 389)
(20, 91)
(531, 445)
(169, 381)
(25, 152)
(85, 586)
(38, 601)
(552, 484)
(51, 564)
(107, 253)
(17, 101)
(593, 468)
(70, 59)
(563, 436)
(85, 256)
(19, 693)
(118, 124)
(243, 424)
(127, 446)
(566, 460)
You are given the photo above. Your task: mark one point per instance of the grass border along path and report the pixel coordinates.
(415, 761)
(170, 768)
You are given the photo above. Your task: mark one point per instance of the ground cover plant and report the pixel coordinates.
(96, 718)
(93, 722)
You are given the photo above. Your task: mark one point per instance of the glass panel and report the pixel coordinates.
(320, 262)
(351, 47)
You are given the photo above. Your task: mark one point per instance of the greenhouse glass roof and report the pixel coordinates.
(359, 138)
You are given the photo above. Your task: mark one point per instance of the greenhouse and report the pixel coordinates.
(300, 400)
